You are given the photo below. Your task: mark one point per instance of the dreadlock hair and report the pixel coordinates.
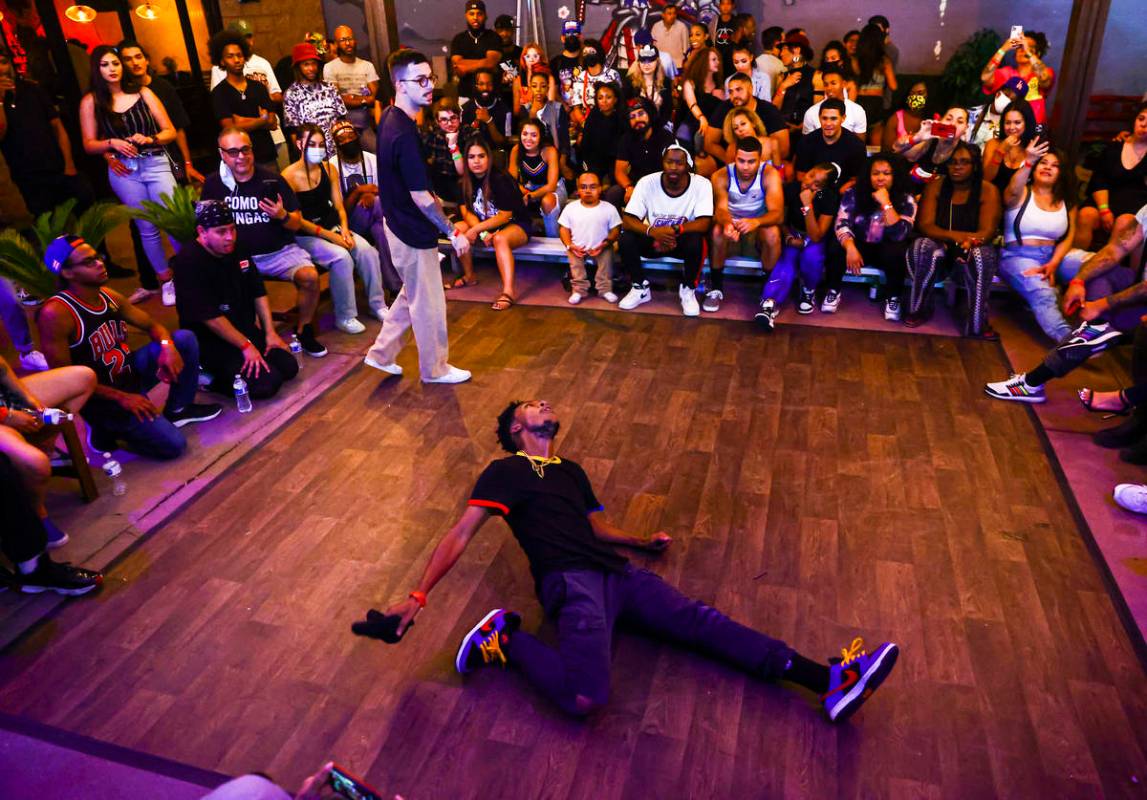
(505, 422)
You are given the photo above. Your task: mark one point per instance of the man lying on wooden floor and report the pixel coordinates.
(587, 587)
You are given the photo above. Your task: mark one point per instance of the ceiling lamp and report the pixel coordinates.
(147, 11)
(80, 14)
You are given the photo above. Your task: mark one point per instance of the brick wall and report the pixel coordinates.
(279, 24)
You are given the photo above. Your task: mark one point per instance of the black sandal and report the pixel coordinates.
(1087, 398)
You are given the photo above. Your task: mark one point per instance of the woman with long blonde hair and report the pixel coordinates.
(744, 123)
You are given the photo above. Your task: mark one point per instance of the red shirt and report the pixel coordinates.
(1035, 94)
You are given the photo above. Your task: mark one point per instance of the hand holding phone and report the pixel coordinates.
(346, 785)
(1017, 33)
(942, 130)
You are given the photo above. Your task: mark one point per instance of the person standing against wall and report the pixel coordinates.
(357, 82)
(473, 49)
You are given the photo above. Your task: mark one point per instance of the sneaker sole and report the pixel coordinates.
(764, 323)
(58, 543)
(824, 310)
(802, 311)
(459, 659)
(381, 367)
(449, 382)
(59, 590)
(1097, 345)
(188, 420)
(1030, 399)
(640, 302)
(316, 355)
(869, 682)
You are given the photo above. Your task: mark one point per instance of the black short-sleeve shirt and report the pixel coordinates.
(30, 145)
(548, 515)
(258, 233)
(216, 286)
(401, 170)
(169, 96)
(644, 155)
(227, 101)
(848, 151)
(504, 196)
(769, 114)
(824, 203)
(470, 47)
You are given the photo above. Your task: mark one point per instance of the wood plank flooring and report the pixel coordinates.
(819, 484)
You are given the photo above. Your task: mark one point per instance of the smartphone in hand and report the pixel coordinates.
(1017, 32)
(942, 130)
(348, 786)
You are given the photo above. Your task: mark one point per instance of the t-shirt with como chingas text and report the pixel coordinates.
(258, 233)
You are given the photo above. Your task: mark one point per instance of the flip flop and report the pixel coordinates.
(459, 283)
(503, 303)
(1087, 398)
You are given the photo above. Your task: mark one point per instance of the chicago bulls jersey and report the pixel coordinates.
(100, 340)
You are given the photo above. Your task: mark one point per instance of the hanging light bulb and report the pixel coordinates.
(147, 11)
(80, 14)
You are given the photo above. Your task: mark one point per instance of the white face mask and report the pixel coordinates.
(1002, 101)
(315, 155)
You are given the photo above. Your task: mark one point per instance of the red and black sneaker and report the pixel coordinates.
(483, 644)
(61, 578)
(854, 678)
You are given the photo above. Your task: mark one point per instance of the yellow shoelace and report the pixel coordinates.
(491, 649)
(539, 463)
(852, 652)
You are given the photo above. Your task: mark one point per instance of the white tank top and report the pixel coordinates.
(750, 203)
(1035, 223)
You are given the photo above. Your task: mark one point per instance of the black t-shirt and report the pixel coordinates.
(30, 146)
(500, 115)
(848, 151)
(824, 203)
(562, 66)
(401, 170)
(466, 46)
(168, 95)
(769, 114)
(216, 286)
(723, 33)
(504, 196)
(548, 515)
(258, 233)
(644, 156)
(600, 138)
(227, 101)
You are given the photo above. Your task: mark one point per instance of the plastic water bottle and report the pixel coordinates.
(295, 345)
(54, 416)
(242, 399)
(114, 471)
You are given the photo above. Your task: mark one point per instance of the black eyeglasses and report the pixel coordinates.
(422, 80)
(235, 152)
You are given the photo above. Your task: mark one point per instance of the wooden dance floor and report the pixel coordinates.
(819, 484)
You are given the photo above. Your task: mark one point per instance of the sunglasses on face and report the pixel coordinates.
(235, 152)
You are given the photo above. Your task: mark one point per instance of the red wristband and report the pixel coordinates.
(4, 412)
(420, 597)
(1074, 281)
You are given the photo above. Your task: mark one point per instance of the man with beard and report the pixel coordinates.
(564, 63)
(587, 586)
(639, 153)
(740, 96)
(357, 82)
(473, 49)
(487, 113)
(511, 56)
(669, 214)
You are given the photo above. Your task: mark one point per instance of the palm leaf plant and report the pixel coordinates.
(22, 263)
(961, 77)
(174, 215)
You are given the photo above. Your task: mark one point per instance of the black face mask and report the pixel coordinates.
(351, 150)
(572, 43)
(593, 59)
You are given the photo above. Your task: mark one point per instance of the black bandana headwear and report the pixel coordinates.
(213, 214)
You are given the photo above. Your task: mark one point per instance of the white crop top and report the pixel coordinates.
(1035, 222)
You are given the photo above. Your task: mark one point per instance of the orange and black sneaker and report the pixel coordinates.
(855, 676)
(485, 642)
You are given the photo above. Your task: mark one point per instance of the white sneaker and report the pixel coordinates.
(379, 313)
(688, 297)
(168, 292)
(452, 375)
(807, 302)
(713, 300)
(33, 361)
(390, 369)
(1132, 496)
(831, 302)
(351, 325)
(1016, 388)
(140, 295)
(639, 293)
(609, 297)
(575, 298)
(892, 309)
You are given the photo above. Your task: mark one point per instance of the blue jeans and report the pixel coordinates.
(12, 315)
(807, 261)
(149, 178)
(342, 264)
(588, 603)
(157, 438)
(1040, 296)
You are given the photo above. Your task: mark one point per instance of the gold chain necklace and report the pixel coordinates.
(539, 463)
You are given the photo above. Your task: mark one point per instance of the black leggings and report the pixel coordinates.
(690, 249)
(24, 536)
(884, 255)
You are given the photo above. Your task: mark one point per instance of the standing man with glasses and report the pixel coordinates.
(414, 221)
(357, 82)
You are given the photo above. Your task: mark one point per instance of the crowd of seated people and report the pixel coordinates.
(685, 141)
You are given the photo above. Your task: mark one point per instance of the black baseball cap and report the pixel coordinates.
(504, 22)
(478, 4)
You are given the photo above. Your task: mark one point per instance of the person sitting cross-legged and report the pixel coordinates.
(749, 207)
(588, 587)
(1111, 301)
(669, 214)
(223, 301)
(86, 323)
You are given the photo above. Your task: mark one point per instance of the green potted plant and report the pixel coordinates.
(22, 257)
(960, 80)
(174, 215)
